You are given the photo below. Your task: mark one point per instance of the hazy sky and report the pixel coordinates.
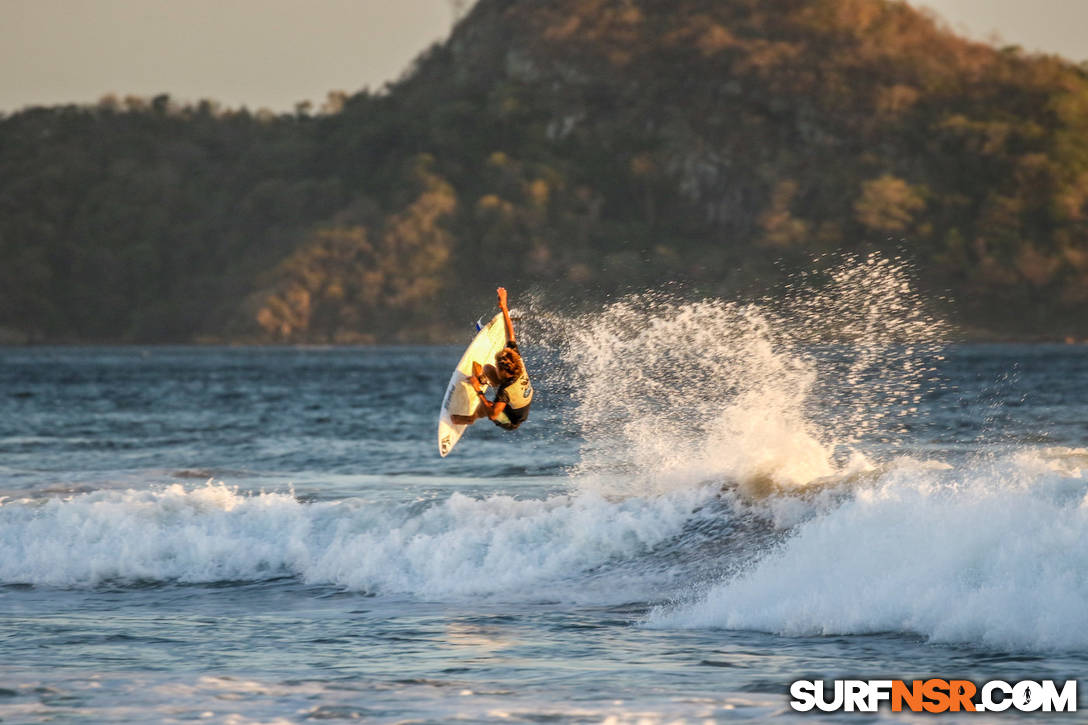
(1051, 26)
(268, 53)
(273, 53)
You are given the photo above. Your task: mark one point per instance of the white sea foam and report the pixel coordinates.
(993, 553)
(457, 547)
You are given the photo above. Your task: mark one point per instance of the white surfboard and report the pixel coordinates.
(460, 398)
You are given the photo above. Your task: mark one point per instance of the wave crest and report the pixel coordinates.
(994, 554)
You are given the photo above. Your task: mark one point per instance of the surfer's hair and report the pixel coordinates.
(509, 362)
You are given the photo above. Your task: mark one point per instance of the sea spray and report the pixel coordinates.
(878, 347)
(775, 394)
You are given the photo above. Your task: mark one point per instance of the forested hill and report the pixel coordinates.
(576, 147)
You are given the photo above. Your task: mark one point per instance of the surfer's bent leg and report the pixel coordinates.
(481, 412)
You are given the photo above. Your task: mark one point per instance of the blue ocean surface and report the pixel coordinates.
(680, 530)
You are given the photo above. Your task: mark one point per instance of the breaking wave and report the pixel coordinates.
(993, 553)
(439, 549)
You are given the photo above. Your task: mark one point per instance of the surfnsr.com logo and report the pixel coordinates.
(933, 695)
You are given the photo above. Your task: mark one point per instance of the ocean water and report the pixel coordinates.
(709, 501)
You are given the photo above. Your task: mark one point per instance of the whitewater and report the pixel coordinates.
(713, 498)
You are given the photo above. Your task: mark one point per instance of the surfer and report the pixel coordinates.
(508, 376)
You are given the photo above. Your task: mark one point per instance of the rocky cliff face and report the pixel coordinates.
(743, 129)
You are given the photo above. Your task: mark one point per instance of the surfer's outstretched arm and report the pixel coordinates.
(506, 314)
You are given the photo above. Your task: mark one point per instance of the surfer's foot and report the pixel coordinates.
(463, 419)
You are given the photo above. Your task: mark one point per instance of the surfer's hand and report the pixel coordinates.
(502, 297)
(475, 383)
